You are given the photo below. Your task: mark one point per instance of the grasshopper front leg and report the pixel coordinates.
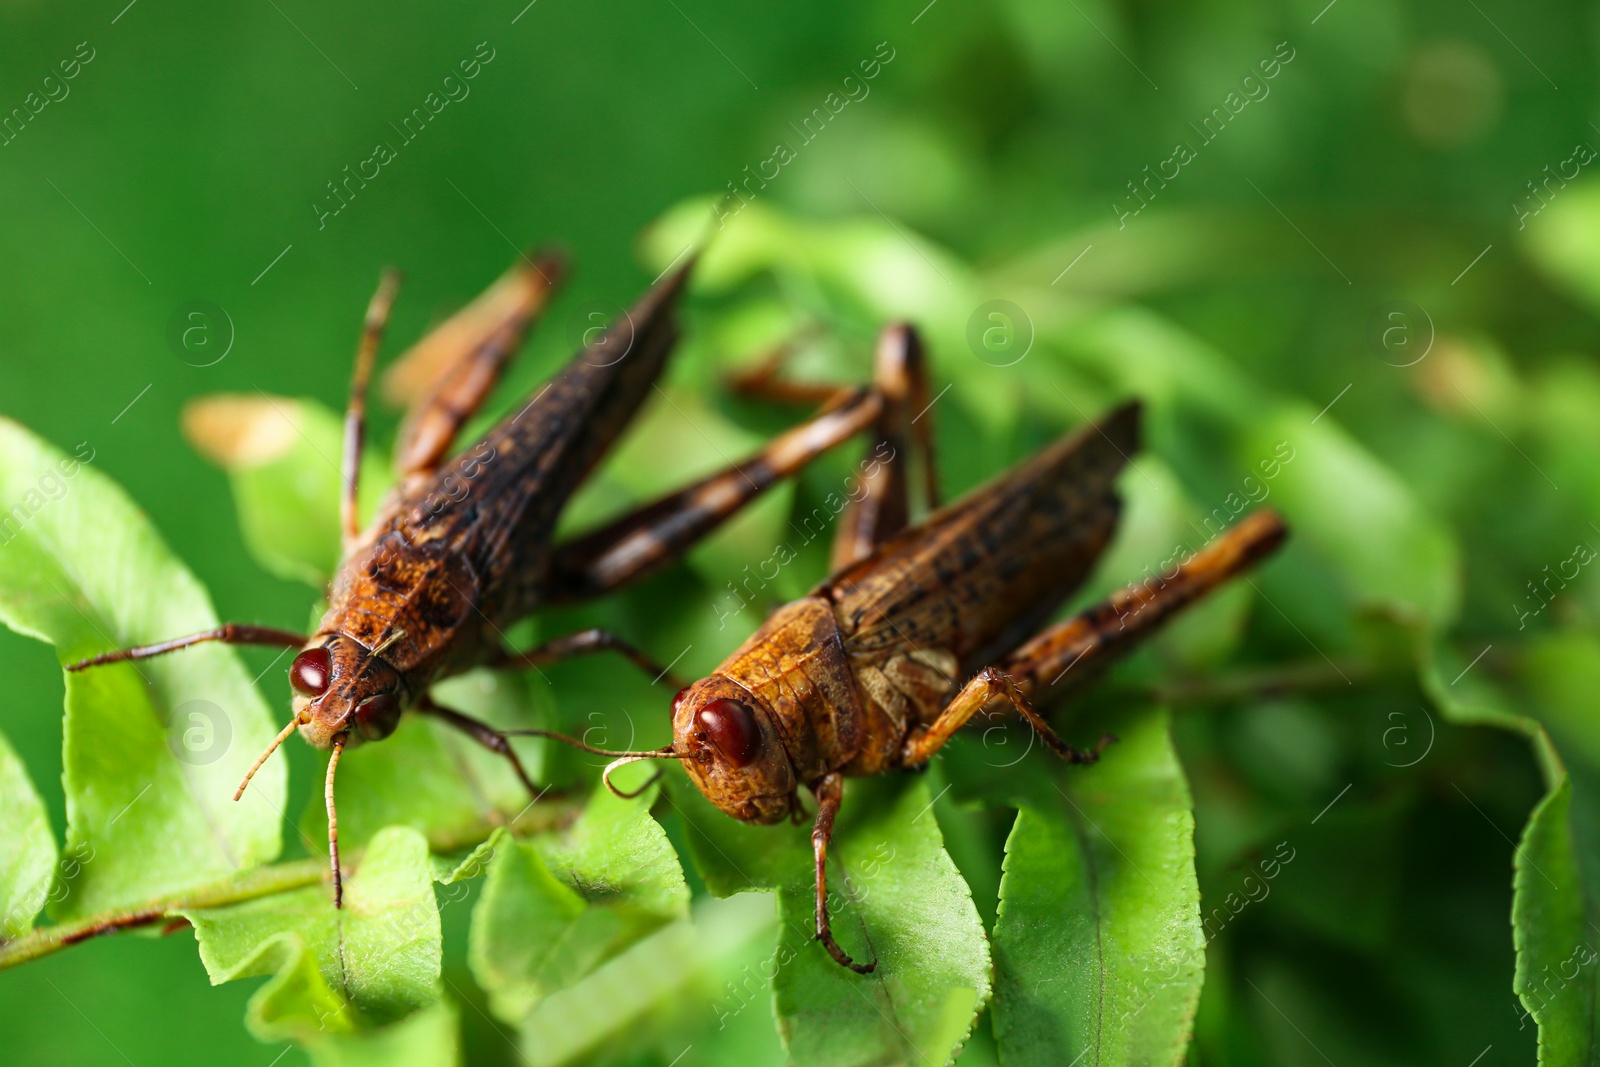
(481, 732)
(229, 633)
(829, 792)
(883, 510)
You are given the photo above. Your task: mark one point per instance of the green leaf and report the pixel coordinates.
(1357, 514)
(618, 856)
(430, 1038)
(153, 750)
(904, 904)
(875, 268)
(474, 864)
(898, 898)
(1098, 949)
(282, 457)
(1142, 354)
(298, 1003)
(1557, 865)
(1556, 881)
(1550, 921)
(1561, 239)
(27, 847)
(1469, 700)
(554, 908)
(697, 981)
(531, 933)
(369, 964)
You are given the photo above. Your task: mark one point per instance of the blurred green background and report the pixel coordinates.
(1388, 161)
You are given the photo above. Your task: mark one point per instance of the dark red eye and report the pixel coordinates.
(377, 718)
(310, 672)
(679, 698)
(733, 730)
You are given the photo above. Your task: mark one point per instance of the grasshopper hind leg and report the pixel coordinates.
(355, 415)
(765, 379)
(648, 539)
(900, 376)
(1066, 657)
(1062, 659)
(894, 411)
(448, 375)
(900, 381)
(991, 685)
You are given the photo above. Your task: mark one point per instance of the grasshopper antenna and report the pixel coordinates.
(623, 757)
(333, 821)
(605, 775)
(283, 735)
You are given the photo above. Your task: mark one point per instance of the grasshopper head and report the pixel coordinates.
(342, 688)
(731, 749)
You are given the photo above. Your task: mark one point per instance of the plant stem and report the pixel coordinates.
(253, 884)
(235, 889)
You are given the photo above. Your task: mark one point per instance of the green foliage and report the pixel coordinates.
(1555, 963)
(1405, 685)
(1557, 877)
(282, 457)
(365, 965)
(1561, 242)
(151, 751)
(431, 777)
(1094, 941)
(1099, 948)
(594, 942)
(27, 847)
(911, 912)
(554, 909)
(1344, 502)
(897, 899)
(1097, 941)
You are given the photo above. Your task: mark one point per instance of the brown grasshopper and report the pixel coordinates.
(865, 674)
(463, 547)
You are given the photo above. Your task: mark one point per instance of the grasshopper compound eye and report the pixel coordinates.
(377, 718)
(310, 672)
(733, 730)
